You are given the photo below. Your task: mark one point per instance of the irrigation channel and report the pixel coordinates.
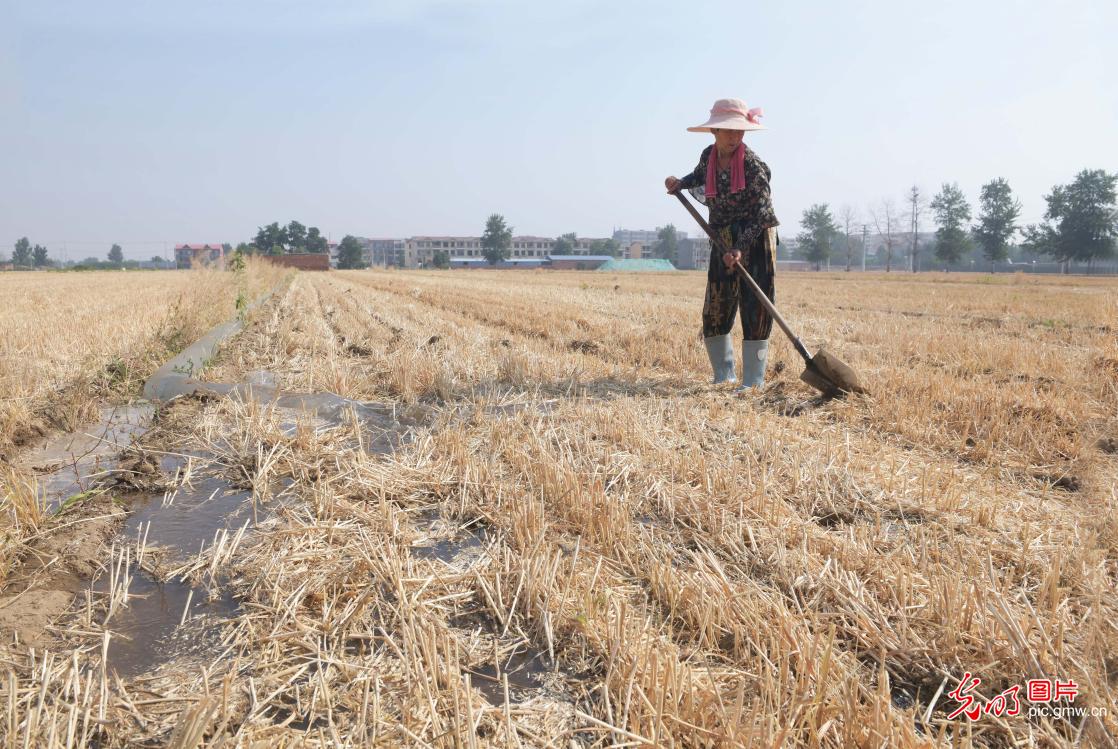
(208, 508)
(156, 601)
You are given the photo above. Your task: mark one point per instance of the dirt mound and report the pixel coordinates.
(42, 585)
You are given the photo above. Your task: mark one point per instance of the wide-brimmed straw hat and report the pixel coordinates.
(731, 114)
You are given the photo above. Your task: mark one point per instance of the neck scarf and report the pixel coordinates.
(737, 171)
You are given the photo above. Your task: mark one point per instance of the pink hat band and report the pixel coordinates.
(749, 114)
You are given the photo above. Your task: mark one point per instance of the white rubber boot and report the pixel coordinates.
(720, 349)
(754, 356)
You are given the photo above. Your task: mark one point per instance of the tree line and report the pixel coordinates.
(28, 256)
(1080, 224)
(25, 255)
(292, 237)
(295, 237)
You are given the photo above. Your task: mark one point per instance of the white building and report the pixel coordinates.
(384, 252)
(647, 238)
(420, 251)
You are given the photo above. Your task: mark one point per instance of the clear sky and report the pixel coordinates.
(150, 123)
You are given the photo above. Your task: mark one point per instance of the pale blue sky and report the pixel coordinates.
(152, 123)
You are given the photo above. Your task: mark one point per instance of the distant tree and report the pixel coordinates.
(667, 243)
(952, 214)
(22, 255)
(271, 239)
(245, 248)
(565, 244)
(916, 207)
(605, 247)
(296, 237)
(496, 240)
(441, 259)
(157, 260)
(315, 241)
(886, 221)
(849, 218)
(997, 220)
(39, 257)
(116, 254)
(350, 254)
(262, 241)
(1081, 221)
(818, 235)
(226, 247)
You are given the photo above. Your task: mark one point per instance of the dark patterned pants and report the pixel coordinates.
(726, 292)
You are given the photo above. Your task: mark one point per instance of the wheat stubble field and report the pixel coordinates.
(577, 542)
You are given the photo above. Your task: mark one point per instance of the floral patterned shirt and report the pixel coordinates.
(751, 208)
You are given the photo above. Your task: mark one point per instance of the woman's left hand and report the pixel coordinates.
(730, 258)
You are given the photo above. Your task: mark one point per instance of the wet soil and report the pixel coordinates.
(54, 567)
(69, 464)
(111, 481)
(448, 542)
(531, 673)
(164, 620)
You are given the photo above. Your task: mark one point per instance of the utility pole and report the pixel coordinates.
(864, 231)
(915, 197)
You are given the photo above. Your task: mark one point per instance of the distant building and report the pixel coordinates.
(647, 237)
(420, 251)
(577, 262)
(155, 264)
(469, 262)
(385, 253)
(693, 254)
(511, 264)
(638, 244)
(189, 255)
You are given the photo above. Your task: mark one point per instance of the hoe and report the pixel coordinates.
(825, 372)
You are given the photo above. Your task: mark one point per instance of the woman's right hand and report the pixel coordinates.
(672, 184)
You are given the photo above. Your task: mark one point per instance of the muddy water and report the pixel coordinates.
(386, 424)
(189, 517)
(157, 625)
(72, 463)
(531, 673)
(174, 525)
(448, 542)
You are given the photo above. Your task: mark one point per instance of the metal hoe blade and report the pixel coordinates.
(830, 375)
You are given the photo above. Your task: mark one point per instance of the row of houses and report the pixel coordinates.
(569, 262)
(463, 251)
(189, 255)
(419, 252)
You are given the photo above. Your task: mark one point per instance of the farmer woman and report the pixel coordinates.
(734, 183)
